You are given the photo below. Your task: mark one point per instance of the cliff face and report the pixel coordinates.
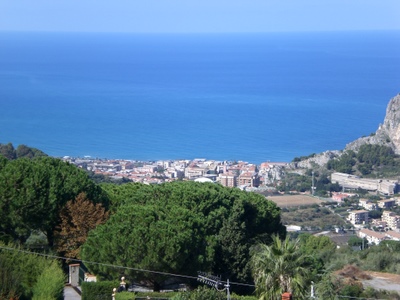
(388, 133)
(319, 159)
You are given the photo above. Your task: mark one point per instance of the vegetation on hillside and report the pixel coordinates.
(182, 227)
(179, 228)
(312, 218)
(369, 161)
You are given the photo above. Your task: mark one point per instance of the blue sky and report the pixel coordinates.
(198, 15)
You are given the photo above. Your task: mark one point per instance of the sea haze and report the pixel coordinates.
(252, 97)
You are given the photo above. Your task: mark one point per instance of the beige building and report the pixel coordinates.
(372, 237)
(387, 203)
(228, 179)
(393, 235)
(249, 179)
(358, 217)
(392, 220)
(195, 171)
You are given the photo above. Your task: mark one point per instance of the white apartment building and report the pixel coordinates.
(358, 217)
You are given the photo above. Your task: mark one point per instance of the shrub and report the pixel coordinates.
(50, 284)
(98, 290)
(201, 293)
(125, 296)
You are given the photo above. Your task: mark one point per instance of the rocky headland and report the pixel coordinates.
(387, 134)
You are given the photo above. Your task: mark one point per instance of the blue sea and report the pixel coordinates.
(251, 97)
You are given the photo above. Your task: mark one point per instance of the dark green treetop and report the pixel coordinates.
(33, 191)
(181, 228)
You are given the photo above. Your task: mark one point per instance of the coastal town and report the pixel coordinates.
(263, 177)
(239, 174)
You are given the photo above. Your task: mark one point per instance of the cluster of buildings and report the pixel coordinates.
(389, 219)
(388, 224)
(387, 227)
(231, 174)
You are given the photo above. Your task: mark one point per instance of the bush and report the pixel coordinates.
(50, 284)
(201, 293)
(125, 296)
(98, 290)
(20, 272)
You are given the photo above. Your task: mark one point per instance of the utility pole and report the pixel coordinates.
(312, 187)
(215, 282)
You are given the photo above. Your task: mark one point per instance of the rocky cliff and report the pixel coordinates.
(388, 133)
(319, 159)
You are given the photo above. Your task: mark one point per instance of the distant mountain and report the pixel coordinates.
(388, 133)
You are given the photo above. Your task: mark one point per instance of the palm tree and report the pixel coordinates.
(279, 268)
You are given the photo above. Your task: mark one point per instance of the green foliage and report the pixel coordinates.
(326, 288)
(156, 294)
(349, 291)
(318, 250)
(33, 191)
(314, 217)
(205, 293)
(3, 162)
(344, 163)
(98, 290)
(370, 160)
(355, 241)
(295, 182)
(10, 277)
(375, 214)
(382, 258)
(303, 183)
(181, 227)
(125, 296)
(280, 267)
(20, 272)
(50, 284)
(201, 293)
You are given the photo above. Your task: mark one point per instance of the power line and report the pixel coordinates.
(115, 266)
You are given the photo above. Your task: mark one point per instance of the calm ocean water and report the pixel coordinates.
(253, 97)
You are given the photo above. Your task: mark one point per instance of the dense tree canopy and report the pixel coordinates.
(367, 159)
(181, 227)
(33, 191)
